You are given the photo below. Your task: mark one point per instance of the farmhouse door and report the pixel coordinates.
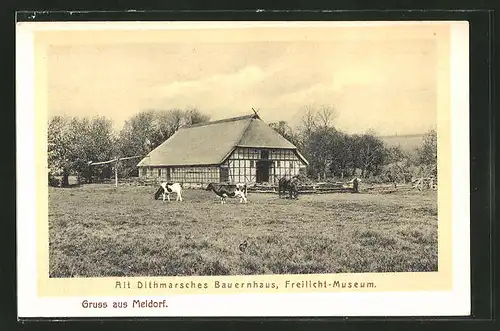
(224, 174)
(263, 171)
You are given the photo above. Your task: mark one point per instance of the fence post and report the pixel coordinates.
(116, 172)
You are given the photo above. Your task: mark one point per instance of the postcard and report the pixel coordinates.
(243, 168)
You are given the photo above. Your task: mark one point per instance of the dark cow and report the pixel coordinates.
(289, 184)
(229, 190)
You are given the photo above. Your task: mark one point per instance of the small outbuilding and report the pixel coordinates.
(235, 150)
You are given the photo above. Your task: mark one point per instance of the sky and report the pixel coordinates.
(382, 79)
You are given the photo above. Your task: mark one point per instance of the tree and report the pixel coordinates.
(371, 154)
(395, 154)
(73, 142)
(427, 153)
(341, 153)
(139, 135)
(99, 145)
(316, 117)
(398, 165)
(285, 131)
(148, 129)
(316, 136)
(164, 123)
(325, 115)
(318, 149)
(354, 155)
(62, 147)
(307, 122)
(194, 116)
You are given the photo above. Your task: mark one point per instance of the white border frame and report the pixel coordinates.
(453, 303)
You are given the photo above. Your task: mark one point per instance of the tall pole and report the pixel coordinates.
(116, 164)
(116, 173)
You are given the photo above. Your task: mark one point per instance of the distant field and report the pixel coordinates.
(99, 230)
(408, 143)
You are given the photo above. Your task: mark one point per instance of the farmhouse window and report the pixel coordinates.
(144, 171)
(264, 154)
(159, 172)
(252, 163)
(291, 164)
(278, 164)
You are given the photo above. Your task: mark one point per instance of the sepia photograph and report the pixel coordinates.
(243, 157)
(243, 168)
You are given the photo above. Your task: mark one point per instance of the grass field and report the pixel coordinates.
(100, 230)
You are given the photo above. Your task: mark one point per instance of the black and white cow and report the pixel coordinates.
(166, 188)
(224, 191)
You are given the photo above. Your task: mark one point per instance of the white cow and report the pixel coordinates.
(166, 188)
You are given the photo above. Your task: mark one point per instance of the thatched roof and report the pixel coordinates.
(212, 142)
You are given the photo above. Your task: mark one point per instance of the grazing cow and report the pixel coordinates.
(224, 191)
(243, 187)
(166, 188)
(289, 184)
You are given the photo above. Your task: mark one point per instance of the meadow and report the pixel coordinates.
(99, 230)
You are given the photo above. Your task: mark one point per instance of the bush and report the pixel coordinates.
(374, 180)
(304, 179)
(53, 181)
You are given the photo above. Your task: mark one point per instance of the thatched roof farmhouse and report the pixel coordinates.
(239, 149)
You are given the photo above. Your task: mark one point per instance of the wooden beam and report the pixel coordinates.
(130, 157)
(91, 163)
(103, 162)
(256, 113)
(114, 160)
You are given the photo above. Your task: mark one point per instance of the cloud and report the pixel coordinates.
(219, 83)
(367, 82)
(216, 93)
(365, 96)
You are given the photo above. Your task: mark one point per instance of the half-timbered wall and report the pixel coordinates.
(191, 174)
(240, 167)
(242, 164)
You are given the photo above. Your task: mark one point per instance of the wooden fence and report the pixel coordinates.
(309, 188)
(305, 188)
(316, 188)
